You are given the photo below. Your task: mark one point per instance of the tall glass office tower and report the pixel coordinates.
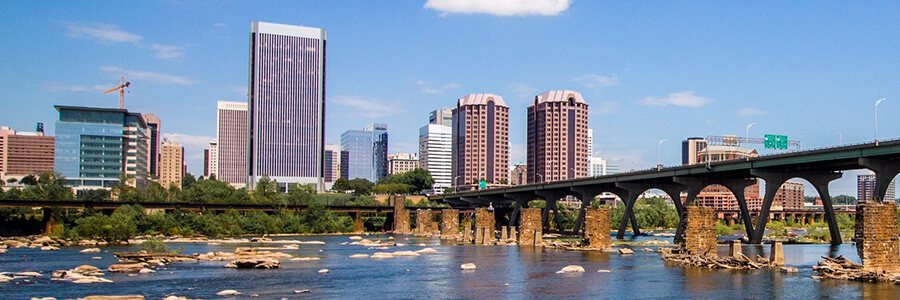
(287, 104)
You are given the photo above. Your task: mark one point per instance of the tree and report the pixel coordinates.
(187, 180)
(418, 180)
(29, 180)
(300, 194)
(392, 188)
(266, 191)
(93, 195)
(359, 186)
(47, 186)
(123, 191)
(155, 192)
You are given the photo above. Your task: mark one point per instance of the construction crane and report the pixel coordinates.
(121, 88)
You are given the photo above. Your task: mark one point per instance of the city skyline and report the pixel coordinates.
(631, 93)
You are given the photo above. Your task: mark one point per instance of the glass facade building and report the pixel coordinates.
(359, 148)
(95, 146)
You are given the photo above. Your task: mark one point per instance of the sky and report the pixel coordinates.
(649, 70)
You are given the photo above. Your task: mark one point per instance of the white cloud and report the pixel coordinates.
(58, 87)
(148, 76)
(188, 141)
(750, 112)
(604, 108)
(103, 32)
(597, 81)
(523, 91)
(167, 51)
(368, 107)
(428, 88)
(500, 7)
(684, 99)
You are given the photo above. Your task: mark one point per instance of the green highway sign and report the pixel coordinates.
(482, 184)
(778, 142)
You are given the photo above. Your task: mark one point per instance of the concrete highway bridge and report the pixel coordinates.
(819, 167)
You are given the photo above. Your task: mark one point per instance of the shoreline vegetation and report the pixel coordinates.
(132, 220)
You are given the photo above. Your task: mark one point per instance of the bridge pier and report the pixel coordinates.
(484, 225)
(551, 197)
(520, 200)
(358, 226)
(876, 236)
(631, 191)
(700, 231)
(424, 223)
(596, 230)
(885, 172)
(587, 195)
(401, 217)
(530, 230)
(774, 181)
(49, 219)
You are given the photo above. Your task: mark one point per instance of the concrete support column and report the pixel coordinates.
(735, 248)
(776, 254)
(876, 236)
(774, 180)
(552, 198)
(449, 224)
(631, 192)
(885, 171)
(520, 200)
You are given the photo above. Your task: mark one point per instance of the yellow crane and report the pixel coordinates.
(121, 88)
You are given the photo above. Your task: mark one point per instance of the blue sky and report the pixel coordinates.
(650, 71)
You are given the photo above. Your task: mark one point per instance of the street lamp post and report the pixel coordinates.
(877, 102)
(747, 132)
(840, 136)
(659, 151)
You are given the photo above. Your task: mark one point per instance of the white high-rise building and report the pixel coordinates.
(212, 156)
(596, 166)
(590, 143)
(436, 151)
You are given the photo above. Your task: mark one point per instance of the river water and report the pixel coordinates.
(502, 272)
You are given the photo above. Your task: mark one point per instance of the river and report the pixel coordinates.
(502, 272)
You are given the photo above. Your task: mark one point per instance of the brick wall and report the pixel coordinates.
(876, 236)
(449, 224)
(700, 230)
(530, 226)
(596, 228)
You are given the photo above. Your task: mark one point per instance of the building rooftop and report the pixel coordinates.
(481, 99)
(559, 96)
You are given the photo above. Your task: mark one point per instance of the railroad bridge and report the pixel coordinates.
(819, 167)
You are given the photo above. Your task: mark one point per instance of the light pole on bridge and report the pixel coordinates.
(877, 102)
(659, 152)
(747, 132)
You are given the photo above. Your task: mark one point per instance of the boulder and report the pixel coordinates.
(603, 271)
(301, 291)
(359, 256)
(467, 266)
(4, 278)
(355, 237)
(625, 251)
(2, 251)
(405, 253)
(28, 274)
(305, 258)
(323, 271)
(228, 293)
(146, 271)
(789, 270)
(571, 269)
(88, 270)
(427, 251)
(49, 248)
(265, 263)
(90, 250)
(126, 268)
(95, 279)
(382, 255)
(44, 298)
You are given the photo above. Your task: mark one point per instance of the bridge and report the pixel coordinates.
(819, 167)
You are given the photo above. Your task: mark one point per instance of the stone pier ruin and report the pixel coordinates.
(401, 217)
(424, 223)
(700, 231)
(596, 228)
(449, 224)
(876, 237)
(530, 231)
(484, 226)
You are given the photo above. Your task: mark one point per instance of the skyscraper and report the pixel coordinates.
(865, 185)
(332, 163)
(379, 150)
(24, 153)
(211, 160)
(366, 153)
(480, 140)
(436, 148)
(287, 104)
(96, 146)
(402, 163)
(153, 128)
(557, 136)
(231, 133)
(171, 164)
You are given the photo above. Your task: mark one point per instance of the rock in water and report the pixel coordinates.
(90, 250)
(626, 251)
(467, 266)
(265, 263)
(88, 270)
(359, 256)
(123, 297)
(126, 268)
(789, 270)
(301, 291)
(603, 271)
(49, 248)
(571, 269)
(427, 251)
(228, 293)
(323, 271)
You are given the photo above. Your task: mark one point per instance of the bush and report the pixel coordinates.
(722, 229)
(154, 245)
